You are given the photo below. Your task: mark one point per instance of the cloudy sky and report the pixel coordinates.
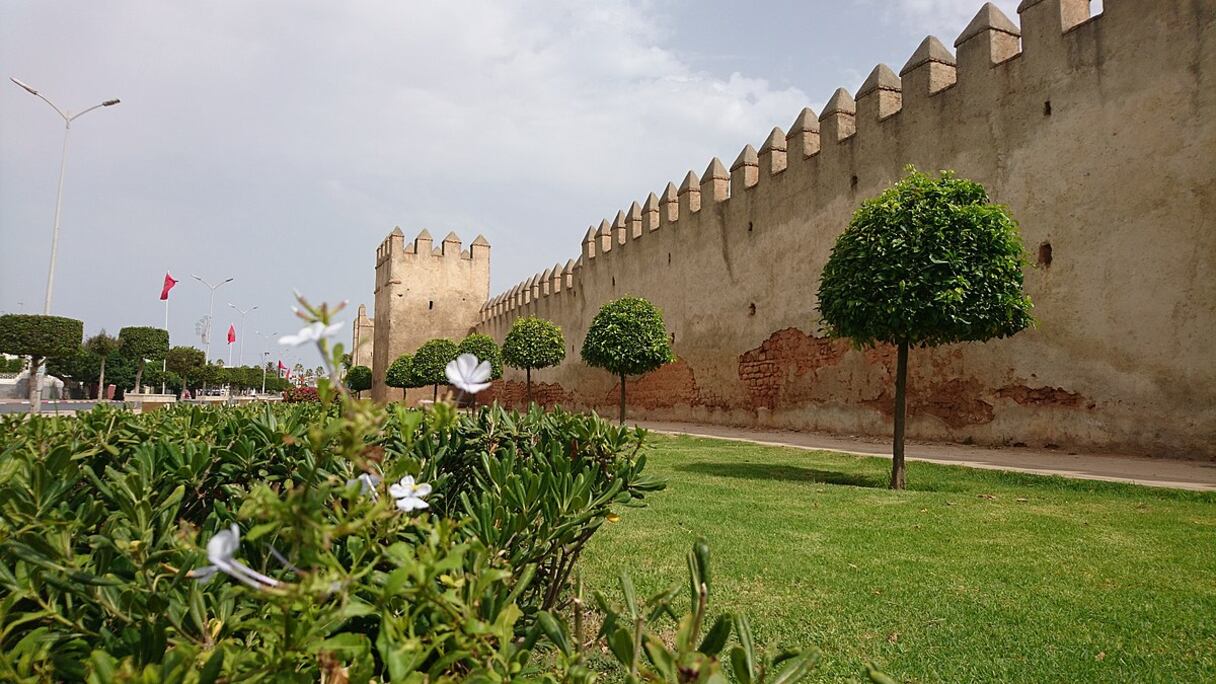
(278, 142)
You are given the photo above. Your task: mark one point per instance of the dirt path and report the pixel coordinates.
(1195, 475)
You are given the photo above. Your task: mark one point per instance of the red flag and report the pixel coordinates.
(169, 283)
(284, 368)
(231, 334)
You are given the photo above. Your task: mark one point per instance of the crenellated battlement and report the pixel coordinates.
(423, 245)
(1095, 130)
(932, 71)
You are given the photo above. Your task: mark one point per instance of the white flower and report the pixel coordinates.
(410, 496)
(311, 333)
(368, 482)
(220, 551)
(466, 373)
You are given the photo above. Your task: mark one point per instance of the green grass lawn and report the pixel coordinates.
(968, 576)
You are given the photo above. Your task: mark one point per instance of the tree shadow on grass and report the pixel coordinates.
(789, 473)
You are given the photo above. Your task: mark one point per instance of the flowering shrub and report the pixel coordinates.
(333, 541)
(295, 395)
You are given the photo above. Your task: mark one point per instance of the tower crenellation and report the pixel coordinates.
(744, 172)
(689, 197)
(880, 96)
(772, 155)
(838, 122)
(930, 70)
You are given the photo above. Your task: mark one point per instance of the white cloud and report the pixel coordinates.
(255, 129)
(268, 140)
(947, 14)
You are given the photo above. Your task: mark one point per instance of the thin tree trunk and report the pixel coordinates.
(622, 398)
(35, 385)
(139, 375)
(901, 391)
(101, 380)
(403, 391)
(435, 394)
(528, 383)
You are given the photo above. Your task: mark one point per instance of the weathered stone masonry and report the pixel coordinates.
(1098, 132)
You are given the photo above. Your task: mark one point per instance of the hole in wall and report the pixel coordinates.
(430, 305)
(751, 309)
(1045, 255)
(673, 338)
(614, 281)
(853, 182)
(1047, 108)
(749, 226)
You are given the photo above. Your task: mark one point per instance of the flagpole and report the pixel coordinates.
(164, 362)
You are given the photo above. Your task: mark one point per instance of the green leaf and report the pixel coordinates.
(715, 638)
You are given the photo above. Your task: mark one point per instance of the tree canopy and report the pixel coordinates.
(533, 343)
(485, 349)
(184, 360)
(40, 336)
(430, 360)
(102, 345)
(627, 337)
(144, 343)
(400, 372)
(359, 378)
(929, 261)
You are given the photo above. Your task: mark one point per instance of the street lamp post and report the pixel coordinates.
(68, 118)
(241, 361)
(265, 355)
(211, 309)
(265, 362)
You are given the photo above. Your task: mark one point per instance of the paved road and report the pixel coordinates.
(49, 408)
(1153, 472)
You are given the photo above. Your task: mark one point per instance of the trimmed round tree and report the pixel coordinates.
(183, 360)
(627, 337)
(102, 346)
(485, 349)
(359, 378)
(400, 373)
(929, 261)
(430, 360)
(142, 343)
(40, 338)
(533, 343)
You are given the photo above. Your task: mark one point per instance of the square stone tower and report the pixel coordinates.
(424, 291)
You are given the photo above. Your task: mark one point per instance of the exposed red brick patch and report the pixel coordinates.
(515, 394)
(766, 370)
(956, 402)
(1041, 396)
(673, 384)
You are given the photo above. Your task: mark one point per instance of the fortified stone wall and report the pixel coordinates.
(1098, 132)
(424, 291)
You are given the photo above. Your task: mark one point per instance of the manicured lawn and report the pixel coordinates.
(969, 576)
